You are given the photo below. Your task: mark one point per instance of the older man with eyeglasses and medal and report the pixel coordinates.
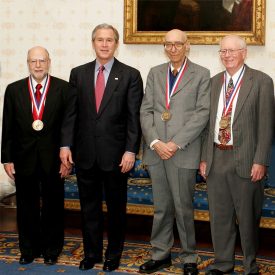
(32, 118)
(174, 112)
(235, 155)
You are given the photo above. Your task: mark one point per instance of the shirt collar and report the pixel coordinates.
(34, 82)
(235, 76)
(107, 66)
(172, 67)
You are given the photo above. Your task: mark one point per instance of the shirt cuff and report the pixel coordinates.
(153, 143)
(65, 147)
(128, 152)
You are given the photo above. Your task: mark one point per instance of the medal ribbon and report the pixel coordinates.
(38, 109)
(228, 105)
(176, 83)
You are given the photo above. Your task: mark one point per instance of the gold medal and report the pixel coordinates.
(37, 125)
(224, 122)
(166, 115)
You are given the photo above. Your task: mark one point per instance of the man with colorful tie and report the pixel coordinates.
(236, 153)
(174, 112)
(32, 117)
(103, 130)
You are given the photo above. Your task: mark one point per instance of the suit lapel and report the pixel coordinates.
(163, 78)
(161, 83)
(25, 103)
(51, 101)
(187, 76)
(244, 91)
(215, 96)
(113, 81)
(89, 86)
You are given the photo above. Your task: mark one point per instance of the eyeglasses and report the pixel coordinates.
(178, 45)
(229, 51)
(41, 61)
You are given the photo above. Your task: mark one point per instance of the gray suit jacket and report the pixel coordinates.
(253, 124)
(189, 107)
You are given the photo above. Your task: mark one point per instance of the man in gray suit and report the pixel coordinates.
(236, 154)
(174, 112)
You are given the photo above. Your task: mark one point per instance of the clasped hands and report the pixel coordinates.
(65, 171)
(165, 150)
(66, 158)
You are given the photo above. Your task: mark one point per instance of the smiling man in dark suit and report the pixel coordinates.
(102, 125)
(236, 153)
(32, 117)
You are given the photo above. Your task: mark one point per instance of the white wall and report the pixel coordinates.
(64, 28)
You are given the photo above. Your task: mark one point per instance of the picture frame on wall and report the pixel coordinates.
(205, 21)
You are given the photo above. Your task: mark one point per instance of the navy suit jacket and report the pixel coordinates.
(106, 135)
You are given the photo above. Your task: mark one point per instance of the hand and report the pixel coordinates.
(173, 146)
(9, 168)
(258, 171)
(127, 162)
(66, 158)
(163, 150)
(203, 166)
(64, 171)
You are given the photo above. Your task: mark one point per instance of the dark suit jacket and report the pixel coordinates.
(20, 143)
(253, 125)
(106, 135)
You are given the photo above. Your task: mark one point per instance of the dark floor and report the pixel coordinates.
(138, 228)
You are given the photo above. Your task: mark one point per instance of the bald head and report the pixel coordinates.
(176, 35)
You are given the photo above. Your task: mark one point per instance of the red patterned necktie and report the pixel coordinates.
(99, 87)
(38, 93)
(225, 134)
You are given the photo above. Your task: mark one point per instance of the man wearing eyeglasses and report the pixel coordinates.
(236, 153)
(32, 117)
(174, 112)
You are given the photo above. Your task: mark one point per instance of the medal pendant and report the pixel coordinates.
(224, 122)
(166, 115)
(37, 125)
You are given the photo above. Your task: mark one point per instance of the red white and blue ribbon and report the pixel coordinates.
(228, 105)
(38, 107)
(171, 90)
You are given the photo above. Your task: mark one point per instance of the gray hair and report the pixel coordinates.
(105, 26)
(237, 38)
(38, 47)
